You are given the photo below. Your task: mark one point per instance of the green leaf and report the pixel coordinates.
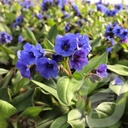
(29, 35)
(95, 62)
(3, 71)
(47, 44)
(60, 122)
(119, 69)
(52, 33)
(75, 119)
(66, 88)
(6, 110)
(119, 89)
(3, 27)
(31, 111)
(22, 101)
(48, 89)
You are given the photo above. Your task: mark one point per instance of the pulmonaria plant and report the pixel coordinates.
(5, 38)
(71, 52)
(18, 21)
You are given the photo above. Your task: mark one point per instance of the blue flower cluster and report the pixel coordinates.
(5, 38)
(35, 55)
(115, 30)
(26, 4)
(102, 8)
(74, 46)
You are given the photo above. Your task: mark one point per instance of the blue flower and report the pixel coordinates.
(19, 20)
(27, 4)
(124, 33)
(101, 8)
(101, 71)
(109, 49)
(46, 4)
(83, 42)
(67, 27)
(78, 59)
(111, 12)
(117, 30)
(20, 39)
(65, 45)
(47, 68)
(5, 38)
(27, 55)
(76, 9)
(57, 58)
(38, 51)
(24, 69)
(118, 81)
(39, 15)
(119, 7)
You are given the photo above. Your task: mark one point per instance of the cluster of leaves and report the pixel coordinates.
(82, 100)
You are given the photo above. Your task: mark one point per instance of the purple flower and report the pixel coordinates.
(118, 81)
(83, 42)
(39, 15)
(101, 71)
(67, 27)
(24, 69)
(47, 68)
(19, 20)
(109, 49)
(109, 32)
(65, 45)
(78, 59)
(124, 34)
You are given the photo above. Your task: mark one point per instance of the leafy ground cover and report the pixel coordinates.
(63, 64)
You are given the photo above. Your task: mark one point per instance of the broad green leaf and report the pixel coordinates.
(66, 88)
(5, 94)
(31, 111)
(95, 62)
(24, 100)
(6, 109)
(48, 89)
(119, 69)
(60, 122)
(119, 89)
(47, 44)
(3, 27)
(52, 33)
(3, 71)
(76, 119)
(29, 35)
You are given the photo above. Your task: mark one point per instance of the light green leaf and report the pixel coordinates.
(48, 89)
(3, 71)
(119, 69)
(47, 44)
(66, 88)
(29, 35)
(95, 62)
(60, 122)
(119, 89)
(75, 119)
(31, 111)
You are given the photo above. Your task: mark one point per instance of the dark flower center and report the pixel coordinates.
(125, 33)
(50, 66)
(76, 58)
(32, 54)
(66, 46)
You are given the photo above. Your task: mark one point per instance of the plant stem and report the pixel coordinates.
(68, 68)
